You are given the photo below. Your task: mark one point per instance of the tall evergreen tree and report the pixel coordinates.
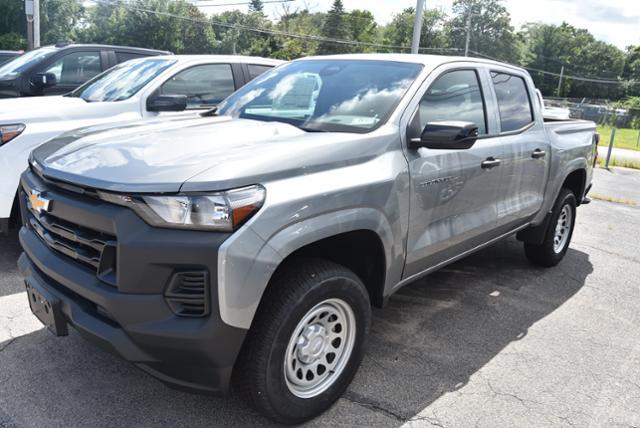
(256, 6)
(336, 26)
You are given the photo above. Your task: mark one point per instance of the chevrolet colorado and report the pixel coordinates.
(247, 247)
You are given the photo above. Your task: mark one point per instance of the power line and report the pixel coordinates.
(315, 38)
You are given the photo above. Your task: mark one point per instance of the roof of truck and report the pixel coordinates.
(427, 60)
(224, 58)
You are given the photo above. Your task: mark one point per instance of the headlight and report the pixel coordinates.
(9, 132)
(224, 211)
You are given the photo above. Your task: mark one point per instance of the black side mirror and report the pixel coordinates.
(447, 135)
(43, 80)
(167, 103)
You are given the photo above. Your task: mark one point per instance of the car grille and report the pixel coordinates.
(93, 249)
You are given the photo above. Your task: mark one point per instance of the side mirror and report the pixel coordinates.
(447, 135)
(167, 103)
(43, 80)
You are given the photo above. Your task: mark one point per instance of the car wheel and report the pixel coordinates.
(306, 341)
(558, 235)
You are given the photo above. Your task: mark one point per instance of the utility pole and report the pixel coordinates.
(560, 80)
(466, 43)
(417, 27)
(32, 12)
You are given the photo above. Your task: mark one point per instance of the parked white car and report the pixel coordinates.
(138, 89)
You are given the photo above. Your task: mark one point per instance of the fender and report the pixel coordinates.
(240, 289)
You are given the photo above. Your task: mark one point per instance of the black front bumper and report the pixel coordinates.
(129, 313)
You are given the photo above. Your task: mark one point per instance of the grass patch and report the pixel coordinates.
(613, 199)
(626, 138)
(617, 162)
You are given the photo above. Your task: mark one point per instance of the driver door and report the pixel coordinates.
(453, 193)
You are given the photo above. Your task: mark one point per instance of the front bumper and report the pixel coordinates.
(129, 315)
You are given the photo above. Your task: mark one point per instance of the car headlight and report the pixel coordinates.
(9, 132)
(223, 211)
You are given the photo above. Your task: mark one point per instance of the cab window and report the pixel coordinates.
(454, 96)
(76, 68)
(204, 85)
(514, 104)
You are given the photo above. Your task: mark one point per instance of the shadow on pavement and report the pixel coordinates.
(10, 283)
(433, 335)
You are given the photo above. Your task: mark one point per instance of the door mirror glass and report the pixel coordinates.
(43, 80)
(447, 135)
(167, 103)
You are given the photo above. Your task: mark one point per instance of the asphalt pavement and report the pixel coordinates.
(490, 341)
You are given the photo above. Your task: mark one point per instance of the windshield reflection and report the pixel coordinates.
(17, 65)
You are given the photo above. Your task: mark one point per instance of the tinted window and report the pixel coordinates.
(325, 95)
(126, 56)
(513, 101)
(122, 81)
(454, 96)
(204, 85)
(256, 70)
(76, 68)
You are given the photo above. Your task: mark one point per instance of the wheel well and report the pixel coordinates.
(575, 182)
(361, 251)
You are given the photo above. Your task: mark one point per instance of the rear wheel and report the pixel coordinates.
(558, 235)
(306, 341)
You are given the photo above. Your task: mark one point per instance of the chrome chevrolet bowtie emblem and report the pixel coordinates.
(38, 202)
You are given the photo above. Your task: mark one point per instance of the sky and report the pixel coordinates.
(613, 21)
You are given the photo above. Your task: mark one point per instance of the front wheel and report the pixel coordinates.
(306, 341)
(558, 235)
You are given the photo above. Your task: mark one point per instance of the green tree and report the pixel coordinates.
(256, 6)
(363, 28)
(399, 32)
(302, 22)
(491, 32)
(335, 27)
(232, 31)
(59, 21)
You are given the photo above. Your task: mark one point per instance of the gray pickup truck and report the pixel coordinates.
(248, 245)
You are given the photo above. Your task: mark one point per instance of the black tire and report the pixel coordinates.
(259, 374)
(545, 254)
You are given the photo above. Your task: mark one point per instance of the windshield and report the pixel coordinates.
(17, 65)
(325, 95)
(122, 81)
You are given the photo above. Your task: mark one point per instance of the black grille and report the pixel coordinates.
(187, 294)
(91, 248)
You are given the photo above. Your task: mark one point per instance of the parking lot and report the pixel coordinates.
(488, 341)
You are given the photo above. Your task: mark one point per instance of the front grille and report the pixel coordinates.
(93, 249)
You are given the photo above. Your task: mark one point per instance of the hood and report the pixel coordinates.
(39, 109)
(196, 154)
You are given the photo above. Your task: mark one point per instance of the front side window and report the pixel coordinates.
(17, 65)
(204, 85)
(513, 101)
(76, 68)
(325, 95)
(122, 81)
(454, 96)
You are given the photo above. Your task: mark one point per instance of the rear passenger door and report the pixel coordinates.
(526, 151)
(453, 196)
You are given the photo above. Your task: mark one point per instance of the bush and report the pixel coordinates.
(12, 42)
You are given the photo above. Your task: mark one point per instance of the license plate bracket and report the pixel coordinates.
(48, 309)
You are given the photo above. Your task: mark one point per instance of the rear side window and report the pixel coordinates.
(126, 56)
(256, 70)
(514, 104)
(454, 96)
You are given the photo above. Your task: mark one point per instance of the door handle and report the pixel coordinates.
(538, 154)
(490, 163)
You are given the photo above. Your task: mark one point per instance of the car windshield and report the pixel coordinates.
(14, 67)
(325, 95)
(122, 81)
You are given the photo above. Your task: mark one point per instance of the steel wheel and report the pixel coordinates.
(319, 348)
(563, 229)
